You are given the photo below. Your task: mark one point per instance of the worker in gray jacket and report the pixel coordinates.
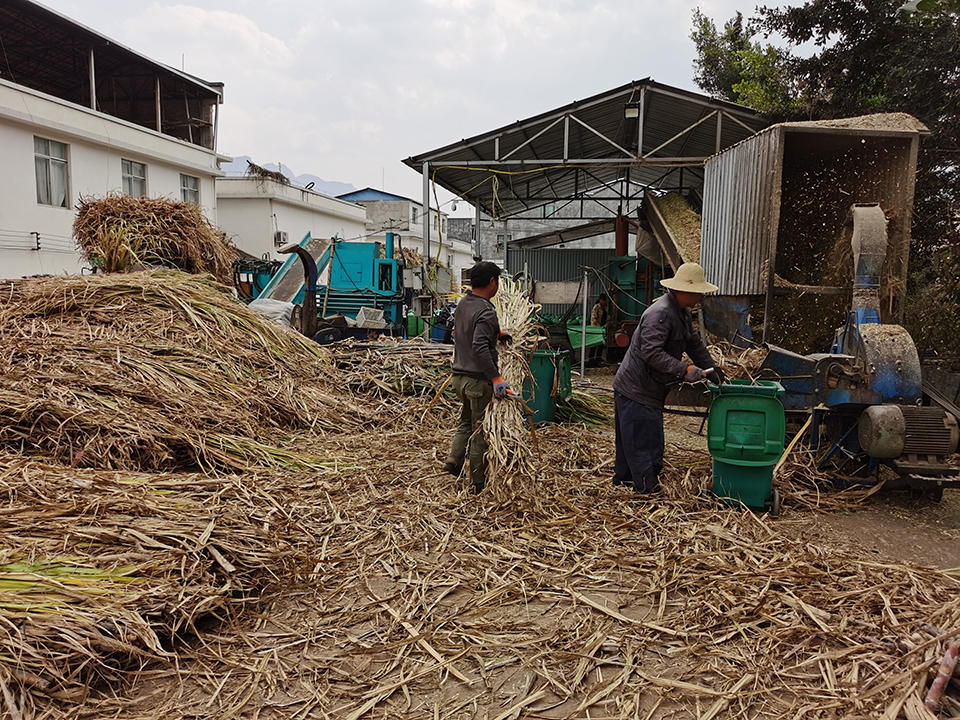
(653, 363)
(476, 377)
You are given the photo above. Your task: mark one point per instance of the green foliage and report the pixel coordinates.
(717, 68)
(767, 81)
(932, 314)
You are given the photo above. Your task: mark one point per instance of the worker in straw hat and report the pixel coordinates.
(654, 362)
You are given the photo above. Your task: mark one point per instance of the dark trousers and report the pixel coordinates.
(474, 396)
(639, 444)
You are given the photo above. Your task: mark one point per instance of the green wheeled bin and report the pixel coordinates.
(746, 426)
(550, 379)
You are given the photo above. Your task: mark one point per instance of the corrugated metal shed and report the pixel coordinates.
(779, 201)
(590, 148)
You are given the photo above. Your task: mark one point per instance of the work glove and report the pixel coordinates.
(505, 337)
(694, 374)
(717, 375)
(500, 387)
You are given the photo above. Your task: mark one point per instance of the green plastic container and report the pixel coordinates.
(551, 379)
(735, 483)
(596, 335)
(745, 433)
(414, 324)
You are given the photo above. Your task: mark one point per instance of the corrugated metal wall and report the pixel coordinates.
(554, 265)
(741, 202)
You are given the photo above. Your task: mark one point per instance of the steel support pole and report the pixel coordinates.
(425, 223)
(156, 97)
(583, 330)
(93, 82)
(476, 235)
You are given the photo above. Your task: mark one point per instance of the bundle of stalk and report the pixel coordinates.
(156, 371)
(505, 424)
(118, 233)
(738, 363)
(395, 370)
(101, 572)
(585, 407)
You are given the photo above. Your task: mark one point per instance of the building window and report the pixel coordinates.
(502, 238)
(134, 178)
(50, 159)
(190, 189)
(436, 221)
(450, 260)
(414, 215)
(547, 210)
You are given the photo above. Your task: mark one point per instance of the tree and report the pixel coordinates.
(717, 65)
(867, 56)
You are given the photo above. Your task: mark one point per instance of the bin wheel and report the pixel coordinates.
(775, 503)
(328, 335)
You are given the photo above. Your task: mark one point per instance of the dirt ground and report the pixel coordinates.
(890, 526)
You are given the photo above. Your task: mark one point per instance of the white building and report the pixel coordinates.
(387, 212)
(122, 123)
(263, 215)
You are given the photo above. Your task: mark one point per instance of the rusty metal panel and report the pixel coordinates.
(741, 204)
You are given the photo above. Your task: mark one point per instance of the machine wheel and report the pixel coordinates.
(328, 335)
(775, 503)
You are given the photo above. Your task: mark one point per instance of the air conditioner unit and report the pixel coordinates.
(279, 238)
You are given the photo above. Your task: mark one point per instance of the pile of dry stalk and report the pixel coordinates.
(118, 233)
(156, 371)
(373, 585)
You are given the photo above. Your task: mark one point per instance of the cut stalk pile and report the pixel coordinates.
(155, 371)
(101, 573)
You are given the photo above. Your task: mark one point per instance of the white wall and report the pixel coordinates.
(96, 144)
(250, 211)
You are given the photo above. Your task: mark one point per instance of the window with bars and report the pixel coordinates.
(190, 189)
(50, 160)
(134, 178)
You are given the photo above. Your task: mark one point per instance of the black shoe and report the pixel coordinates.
(452, 468)
(623, 483)
(655, 490)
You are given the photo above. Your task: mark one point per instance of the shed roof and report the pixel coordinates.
(589, 148)
(372, 195)
(51, 53)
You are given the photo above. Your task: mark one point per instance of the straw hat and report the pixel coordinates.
(689, 278)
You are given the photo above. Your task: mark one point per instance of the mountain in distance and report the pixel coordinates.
(238, 168)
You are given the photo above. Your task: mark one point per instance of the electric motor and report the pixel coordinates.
(890, 431)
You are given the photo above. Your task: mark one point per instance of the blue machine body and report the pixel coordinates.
(359, 277)
(870, 364)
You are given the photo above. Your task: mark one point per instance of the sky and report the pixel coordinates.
(346, 89)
